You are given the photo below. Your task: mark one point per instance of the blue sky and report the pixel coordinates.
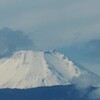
(57, 24)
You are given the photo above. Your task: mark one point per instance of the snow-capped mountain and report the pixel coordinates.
(28, 69)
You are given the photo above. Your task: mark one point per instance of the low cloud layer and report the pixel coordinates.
(11, 41)
(95, 95)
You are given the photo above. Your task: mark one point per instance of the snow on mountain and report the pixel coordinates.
(28, 69)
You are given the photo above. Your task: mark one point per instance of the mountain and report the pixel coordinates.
(68, 92)
(29, 69)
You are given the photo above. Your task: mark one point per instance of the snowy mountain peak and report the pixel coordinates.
(27, 69)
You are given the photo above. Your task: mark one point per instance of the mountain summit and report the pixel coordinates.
(28, 69)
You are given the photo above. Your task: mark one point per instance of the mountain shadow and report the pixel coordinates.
(69, 92)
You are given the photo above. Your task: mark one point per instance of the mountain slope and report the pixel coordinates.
(68, 92)
(28, 69)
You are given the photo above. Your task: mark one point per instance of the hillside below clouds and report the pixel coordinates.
(29, 69)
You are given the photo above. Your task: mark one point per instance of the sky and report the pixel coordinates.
(70, 26)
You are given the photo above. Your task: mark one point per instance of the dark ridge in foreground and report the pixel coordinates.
(46, 93)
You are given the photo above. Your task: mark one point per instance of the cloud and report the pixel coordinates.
(88, 50)
(60, 22)
(11, 41)
(85, 81)
(94, 48)
(95, 95)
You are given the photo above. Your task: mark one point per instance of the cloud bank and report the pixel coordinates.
(57, 23)
(11, 41)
